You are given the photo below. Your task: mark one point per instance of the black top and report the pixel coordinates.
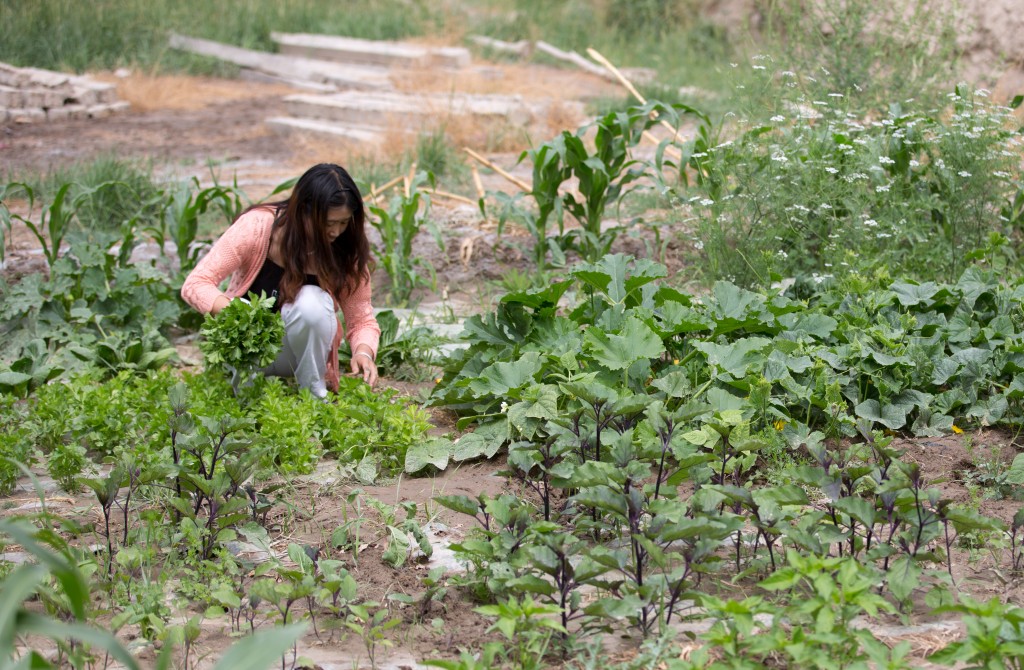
(269, 279)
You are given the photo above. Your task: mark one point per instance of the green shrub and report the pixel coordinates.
(871, 52)
(818, 190)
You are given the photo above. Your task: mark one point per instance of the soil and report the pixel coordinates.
(184, 122)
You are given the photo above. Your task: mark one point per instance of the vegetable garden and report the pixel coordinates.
(753, 397)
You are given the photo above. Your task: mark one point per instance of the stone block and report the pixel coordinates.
(67, 113)
(10, 97)
(106, 109)
(42, 98)
(27, 115)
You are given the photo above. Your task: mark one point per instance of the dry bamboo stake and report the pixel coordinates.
(593, 53)
(407, 181)
(476, 181)
(377, 191)
(452, 196)
(518, 182)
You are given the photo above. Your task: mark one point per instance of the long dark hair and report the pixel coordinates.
(302, 222)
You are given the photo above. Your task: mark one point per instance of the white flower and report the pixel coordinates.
(782, 254)
(779, 157)
(777, 118)
(964, 173)
(788, 73)
(885, 160)
(700, 154)
(882, 189)
(698, 245)
(883, 235)
(914, 163)
(707, 202)
(831, 170)
(504, 407)
(835, 95)
(871, 223)
(825, 205)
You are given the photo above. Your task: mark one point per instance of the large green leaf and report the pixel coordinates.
(484, 442)
(618, 275)
(735, 358)
(434, 451)
(891, 414)
(913, 294)
(636, 341)
(498, 379)
(508, 325)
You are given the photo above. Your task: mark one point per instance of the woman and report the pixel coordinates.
(311, 252)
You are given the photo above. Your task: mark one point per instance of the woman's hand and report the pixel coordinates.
(364, 366)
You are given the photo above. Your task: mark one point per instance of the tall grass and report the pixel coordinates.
(668, 36)
(103, 34)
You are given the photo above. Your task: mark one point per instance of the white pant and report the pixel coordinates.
(310, 324)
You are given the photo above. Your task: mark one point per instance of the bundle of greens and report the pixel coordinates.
(243, 337)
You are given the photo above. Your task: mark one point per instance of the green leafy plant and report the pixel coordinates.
(370, 621)
(525, 624)
(243, 337)
(994, 635)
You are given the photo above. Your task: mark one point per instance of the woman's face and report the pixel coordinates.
(338, 219)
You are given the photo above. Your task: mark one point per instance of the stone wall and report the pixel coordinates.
(29, 95)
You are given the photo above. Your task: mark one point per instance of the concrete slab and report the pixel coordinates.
(361, 77)
(354, 107)
(370, 52)
(358, 135)
(249, 74)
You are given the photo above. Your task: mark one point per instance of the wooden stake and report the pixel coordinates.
(518, 182)
(572, 57)
(376, 192)
(407, 181)
(452, 196)
(476, 181)
(593, 53)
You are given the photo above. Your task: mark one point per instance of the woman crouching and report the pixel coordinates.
(310, 252)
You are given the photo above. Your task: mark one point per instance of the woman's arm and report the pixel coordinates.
(362, 331)
(201, 288)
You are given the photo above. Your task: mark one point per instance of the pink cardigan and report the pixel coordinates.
(240, 253)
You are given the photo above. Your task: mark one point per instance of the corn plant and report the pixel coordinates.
(398, 226)
(55, 218)
(182, 207)
(604, 176)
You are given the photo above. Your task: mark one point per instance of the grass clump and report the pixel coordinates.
(104, 34)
